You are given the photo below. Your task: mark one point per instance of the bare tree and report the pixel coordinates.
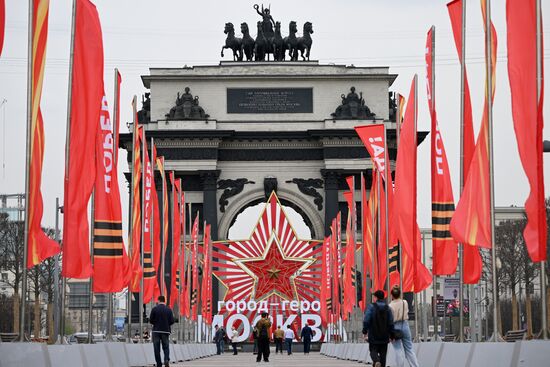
(11, 259)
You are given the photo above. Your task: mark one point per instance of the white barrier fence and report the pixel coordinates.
(92, 355)
(438, 354)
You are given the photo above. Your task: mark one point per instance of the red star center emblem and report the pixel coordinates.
(274, 273)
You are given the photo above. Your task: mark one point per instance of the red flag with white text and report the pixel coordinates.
(110, 257)
(444, 248)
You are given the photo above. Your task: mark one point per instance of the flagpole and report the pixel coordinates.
(539, 86)
(27, 175)
(188, 290)
(432, 105)
(56, 259)
(374, 260)
(386, 217)
(164, 240)
(142, 247)
(91, 281)
(182, 267)
(488, 40)
(379, 219)
(174, 206)
(109, 335)
(131, 224)
(462, 103)
(388, 164)
(152, 222)
(414, 225)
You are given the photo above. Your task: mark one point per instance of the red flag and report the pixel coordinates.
(176, 240)
(40, 246)
(455, 13)
(195, 269)
(110, 258)
(165, 219)
(337, 264)
(156, 224)
(351, 240)
(3, 23)
(135, 232)
(445, 249)
(349, 260)
(149, 273)
(527, 113)
(367, 236)
(405, 198)
(471, 223)
(206, 277)
(373, 137)
(86, 96)
(326, 279)
(472, 259)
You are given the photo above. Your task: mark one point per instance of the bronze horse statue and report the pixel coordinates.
(232, 42)
(291, 42)
(278, 44)
(247, 43)
(261, 48)
(304, 42)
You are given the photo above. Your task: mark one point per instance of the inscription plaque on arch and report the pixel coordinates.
(270, 100)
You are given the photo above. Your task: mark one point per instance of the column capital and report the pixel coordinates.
(209, 179)
(331, 177)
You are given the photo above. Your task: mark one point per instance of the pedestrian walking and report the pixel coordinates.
(161, 318)
(306, 336)
(289, 336)
(402, 343)
(263, 326)
(377, 329)
(219, 337)
(234, 337)
(278, 336)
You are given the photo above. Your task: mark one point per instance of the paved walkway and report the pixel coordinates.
(248, 359)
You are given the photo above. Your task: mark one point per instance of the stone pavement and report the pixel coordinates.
(276, 360)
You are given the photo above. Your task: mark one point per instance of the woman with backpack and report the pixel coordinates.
(402, 342)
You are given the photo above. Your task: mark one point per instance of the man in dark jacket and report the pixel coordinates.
(306, 336)
(263, 327)
(162, 318)
(377, 328)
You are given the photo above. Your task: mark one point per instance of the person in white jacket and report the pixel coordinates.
(403, 346)
(234, 336)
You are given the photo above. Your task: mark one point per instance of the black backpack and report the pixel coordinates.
(263, 332)
(379, 326)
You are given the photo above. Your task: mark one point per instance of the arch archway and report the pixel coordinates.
(294, 204)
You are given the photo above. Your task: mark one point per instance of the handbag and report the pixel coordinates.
(398, 334)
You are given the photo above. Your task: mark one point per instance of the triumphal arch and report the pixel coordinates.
(267, 121)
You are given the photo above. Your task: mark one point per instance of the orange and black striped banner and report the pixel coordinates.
(40, 246)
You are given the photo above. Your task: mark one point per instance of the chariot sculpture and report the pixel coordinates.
(269, 42)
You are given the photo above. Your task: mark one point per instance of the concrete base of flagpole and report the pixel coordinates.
(496, 337)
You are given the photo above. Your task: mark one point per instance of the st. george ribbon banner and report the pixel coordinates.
(272, 271)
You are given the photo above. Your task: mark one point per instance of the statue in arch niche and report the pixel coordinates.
(187, 108)
(353, 107)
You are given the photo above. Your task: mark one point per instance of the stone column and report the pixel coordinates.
(331, 178)
(209, 181)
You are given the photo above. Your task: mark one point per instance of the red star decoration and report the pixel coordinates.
(274, 273)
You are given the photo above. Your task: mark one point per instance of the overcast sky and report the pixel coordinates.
(139, 34)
